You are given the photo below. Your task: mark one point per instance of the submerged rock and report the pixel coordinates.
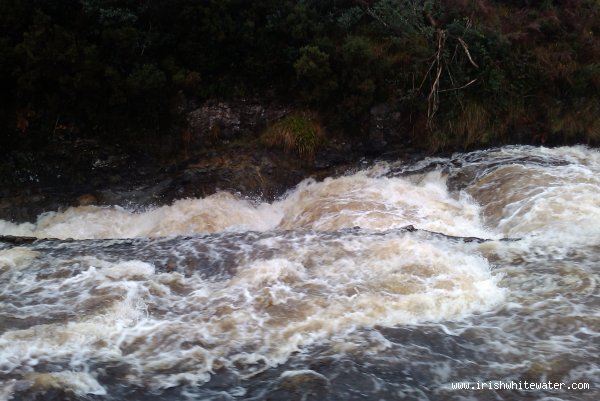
(300, 385)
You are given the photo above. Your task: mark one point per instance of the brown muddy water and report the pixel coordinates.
(324, 294)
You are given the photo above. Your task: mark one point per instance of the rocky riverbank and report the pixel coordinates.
(221, 149)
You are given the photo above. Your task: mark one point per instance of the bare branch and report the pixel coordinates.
(426, 75)
(433, 100)
(459, 88)
(464, 45)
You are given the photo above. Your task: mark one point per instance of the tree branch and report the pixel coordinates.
(464, 45)
(460, 87)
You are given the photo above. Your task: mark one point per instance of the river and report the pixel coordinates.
(394, 281)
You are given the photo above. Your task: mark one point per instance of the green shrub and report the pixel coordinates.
(316, 81)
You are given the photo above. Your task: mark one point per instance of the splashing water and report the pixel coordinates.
(323, 289)
(367, 199)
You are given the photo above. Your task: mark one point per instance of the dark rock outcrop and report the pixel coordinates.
(45, 182)
(387, 126)
(218, 122)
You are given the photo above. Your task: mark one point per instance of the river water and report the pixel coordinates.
(325, 294)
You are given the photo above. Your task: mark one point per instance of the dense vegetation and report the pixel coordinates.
(462, 72)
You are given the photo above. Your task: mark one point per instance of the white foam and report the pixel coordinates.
(80, 383)
(381, 203)
(315, 293)
(555, 203)
(16, 257)
(83, 339)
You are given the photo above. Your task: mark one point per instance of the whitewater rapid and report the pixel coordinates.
(170, 296)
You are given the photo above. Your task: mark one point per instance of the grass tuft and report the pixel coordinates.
(297, 132)
(578, 121)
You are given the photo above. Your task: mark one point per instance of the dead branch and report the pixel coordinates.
(433, 100)
(459, 88)
(466, 48)
(426, 75)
